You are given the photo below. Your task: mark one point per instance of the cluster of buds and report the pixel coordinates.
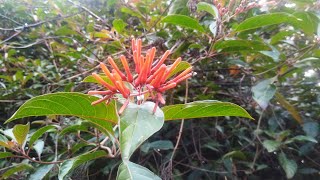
(222, 10)
(150, 80)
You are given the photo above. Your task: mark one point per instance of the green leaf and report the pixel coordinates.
(119, 25)
(289, 107)
(137, 124)
(131, 171)
(264, 91)
(68, 104)
(36, 135)
(304, 138)
(73, 163)
(91, 79)
(289, 166)
(200, 109)
(308, 22)
(15, 169)
(265, 20)
(41, 172)
(210, 8)
(5, 155)
(311, 128)
(235, 155)
(183, 21)
(157, 145)
(240, 45)
(20, 133)
(73, 128)
(280, 36)
(183, 65)
(271, 145)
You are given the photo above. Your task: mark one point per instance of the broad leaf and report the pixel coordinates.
(137, 124)
(68, 104)
(200, 109)
(20, 133)
(280, 36)
(183, 21)
(73, 163)
(240, 45)
(131, 171)
(289, 166)
(38, 147)
(41, 172)
(119, 25)
(264, 91)
(235, 155)
(265, 20)
(91, 79)
(304, 138)
(204, 6)
(36, 135)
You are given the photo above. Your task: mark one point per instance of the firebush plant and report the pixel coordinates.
(105, 89)
(124, 129)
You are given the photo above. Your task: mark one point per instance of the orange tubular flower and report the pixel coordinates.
(152, 78)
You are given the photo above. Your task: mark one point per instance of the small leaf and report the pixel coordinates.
(265, 20)
(15, 169)
(68, 165)
(68, 104)
(183, 65)
(280, 36)
(36, 135)
(119, 25)
(271, 145)
(289, 166)
(91, 79)
(311, 128)
(289, 107)
(200, 109)
(5, 154)
(204, 6)
(304, 138)
(235, 155)
(41, 172)
(131, 171)
(20, 133)
(183, 21)
(157, 145)
(38, 147)
(137, 124)
(73, 128)
(264, 91)
(240, 45)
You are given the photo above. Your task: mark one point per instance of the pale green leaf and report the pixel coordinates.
(38, 147)
(183, 65)
(200, 109)
(289, 166)
(138, 123)
(264, 91)
(271, 145)
(210, 8)
(20, 133)
(131, 171)
(119, 25)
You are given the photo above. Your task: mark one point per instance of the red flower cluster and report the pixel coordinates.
(151, 78)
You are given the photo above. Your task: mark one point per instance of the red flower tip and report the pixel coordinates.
(151, 77)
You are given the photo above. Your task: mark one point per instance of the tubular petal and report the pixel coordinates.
(98, 78)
